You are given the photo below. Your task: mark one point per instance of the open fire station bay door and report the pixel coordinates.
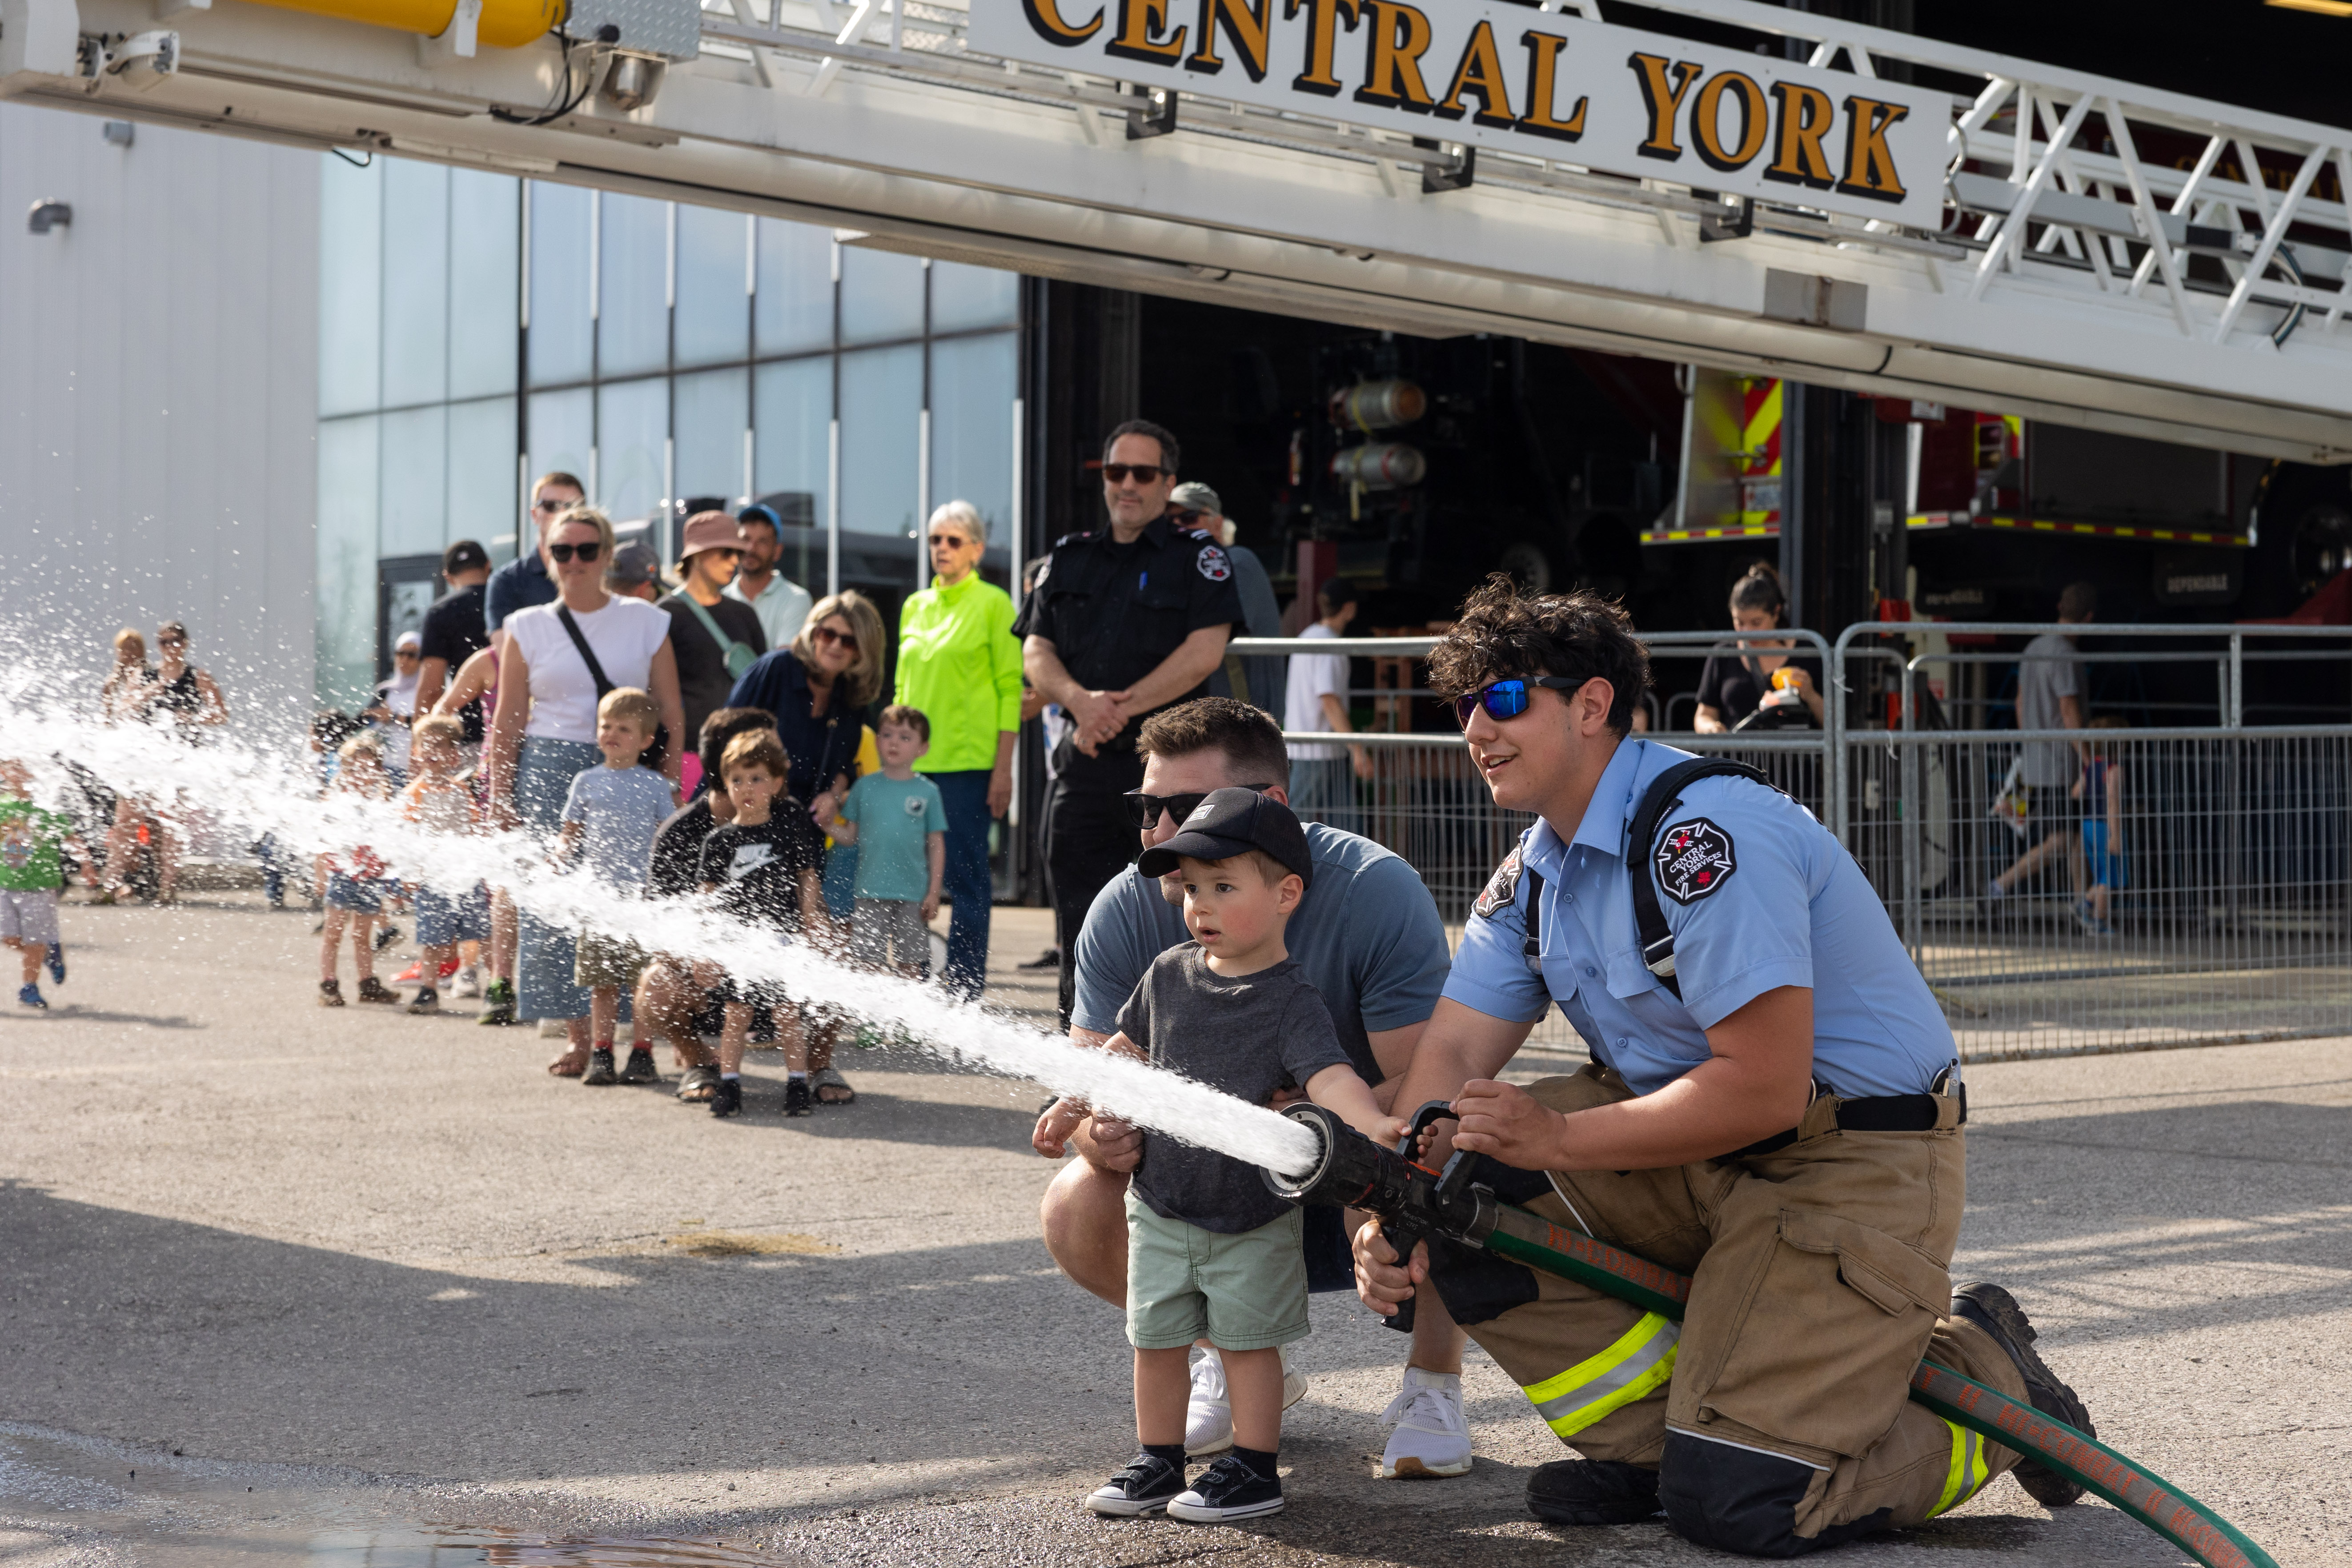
(1845, 206)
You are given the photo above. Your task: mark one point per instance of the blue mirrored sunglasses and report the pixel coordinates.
(1506, 699)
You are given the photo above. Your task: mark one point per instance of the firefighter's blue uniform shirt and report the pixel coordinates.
(1759, 896)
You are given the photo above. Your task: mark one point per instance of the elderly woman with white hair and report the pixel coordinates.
(960, 663)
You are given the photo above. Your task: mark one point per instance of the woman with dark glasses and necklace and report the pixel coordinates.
(558, 661)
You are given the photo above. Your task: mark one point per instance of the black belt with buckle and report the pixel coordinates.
(1883, 1113)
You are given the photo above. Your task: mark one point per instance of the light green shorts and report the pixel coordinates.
(1245, 1292)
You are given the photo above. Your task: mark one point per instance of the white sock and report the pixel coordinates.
(795, 1076)
(729, 1076)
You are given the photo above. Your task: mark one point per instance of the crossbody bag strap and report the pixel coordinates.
(727, 644)
(587, 654)
(1664, 795)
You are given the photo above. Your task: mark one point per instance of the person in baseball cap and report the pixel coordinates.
(634, 571)
(466, 555)
(1234, 821)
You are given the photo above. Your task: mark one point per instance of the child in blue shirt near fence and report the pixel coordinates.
(899, 825)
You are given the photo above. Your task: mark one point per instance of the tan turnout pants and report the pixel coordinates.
(1820, 1280)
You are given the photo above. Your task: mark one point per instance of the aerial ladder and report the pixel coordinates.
(1853, 208)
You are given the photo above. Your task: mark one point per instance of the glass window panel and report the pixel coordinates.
(484, 254)
(973, 383)
(350, 288)
(415, 283)
(881, 407)
(563, 438)
(881, 295)
(966, 297)
(414, 519)
(792, 312)
(632, 446)
(714, 409)
(714, 307)
(632, 287)
(346, 641)
(562, 335)
(481, 473)
(792, 411)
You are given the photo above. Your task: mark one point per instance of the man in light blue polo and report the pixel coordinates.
(1773, 1105)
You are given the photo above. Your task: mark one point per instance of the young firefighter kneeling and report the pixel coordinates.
(1773, 1105)
(1212, 1254)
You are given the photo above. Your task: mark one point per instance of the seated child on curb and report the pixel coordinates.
(609, 821)
(764, 868)
(899, 825)
(32, 842)
(440, 800)
(354, 894)
(1209, 1251)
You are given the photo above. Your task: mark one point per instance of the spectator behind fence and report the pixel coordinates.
(453, 632)
(523, 582)
(781, 605)
(559, 661)
(2101, 865)
(895, 820)
(2050, 697)
(716, 639)
(1125, 620)
(960, 663)
(1738, 678)
(1323, 778)
(1259, 678)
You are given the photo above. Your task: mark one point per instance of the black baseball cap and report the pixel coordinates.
(1230, 822)
(464, 556)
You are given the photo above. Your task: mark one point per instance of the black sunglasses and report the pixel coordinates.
(1508, 698)
(1145, 473)
(547, 504)
(564, 552)
(1144, 810)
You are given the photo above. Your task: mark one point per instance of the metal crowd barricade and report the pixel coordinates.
(2228, 909)
(2208, 904)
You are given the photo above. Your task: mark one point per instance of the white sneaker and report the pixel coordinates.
(1209, 1415)
(468, 986)
(1429, 1435)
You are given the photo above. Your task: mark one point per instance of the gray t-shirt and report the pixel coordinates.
(1367, 934)
(1248, 1035)
(619, 811)
(2047, 671)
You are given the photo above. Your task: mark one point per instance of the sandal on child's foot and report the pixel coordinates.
(330, 993)
(698, 1085)
(570, 1064)
(600, 1068)
(831, 1087)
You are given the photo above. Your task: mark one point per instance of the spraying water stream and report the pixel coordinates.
(265, 793)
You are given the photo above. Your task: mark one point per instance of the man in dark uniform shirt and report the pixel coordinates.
(453, 631)
(1123, 621)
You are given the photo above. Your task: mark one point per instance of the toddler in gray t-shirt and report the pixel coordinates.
(1211, 1252)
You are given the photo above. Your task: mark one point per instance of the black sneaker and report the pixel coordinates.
(799, 1099)
(331, 992)
(56, 960)
(640, 1067)
(1147, 1485)
(1230, 1490)
(727, 1099)
(1995, 1311)
(1592, 1491)
(425, 1001)
(600, 1068)
(385, 937)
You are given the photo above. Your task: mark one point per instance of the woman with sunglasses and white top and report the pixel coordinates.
(544, 733)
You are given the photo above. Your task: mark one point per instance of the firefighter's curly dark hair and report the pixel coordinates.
(1504, 632)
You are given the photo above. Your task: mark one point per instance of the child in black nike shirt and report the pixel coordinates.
(765, 868)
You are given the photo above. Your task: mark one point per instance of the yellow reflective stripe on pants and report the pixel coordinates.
(1966, 1472)
(1640, 1361)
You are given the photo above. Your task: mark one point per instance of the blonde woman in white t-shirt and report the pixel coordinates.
(544, 734)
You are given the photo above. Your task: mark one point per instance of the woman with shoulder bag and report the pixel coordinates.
(557, 662)
(715, 638)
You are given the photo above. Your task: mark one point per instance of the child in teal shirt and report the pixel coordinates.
(899, 825)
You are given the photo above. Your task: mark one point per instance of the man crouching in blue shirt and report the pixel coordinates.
(1773, 1105)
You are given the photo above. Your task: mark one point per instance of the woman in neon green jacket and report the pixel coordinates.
(960, 663)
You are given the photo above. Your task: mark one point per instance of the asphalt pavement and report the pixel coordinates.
(423, 1298)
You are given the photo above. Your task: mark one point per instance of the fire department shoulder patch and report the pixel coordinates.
(1694, 859)
(1215, 565)
(1501, 888)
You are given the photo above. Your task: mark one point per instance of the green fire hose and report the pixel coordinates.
(1414, 1202)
